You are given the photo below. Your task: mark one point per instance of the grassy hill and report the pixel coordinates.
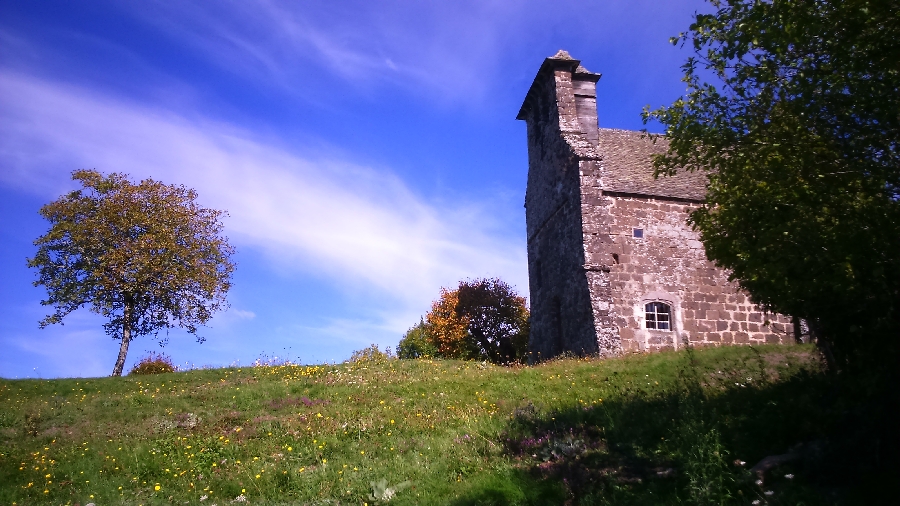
(650, 429)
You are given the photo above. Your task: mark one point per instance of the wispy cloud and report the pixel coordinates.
(80, 348)
(243, 314)
(445, 50)
(362, 227)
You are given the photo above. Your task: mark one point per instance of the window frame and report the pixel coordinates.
(656, 305)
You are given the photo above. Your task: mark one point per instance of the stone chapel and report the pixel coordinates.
(613, 265)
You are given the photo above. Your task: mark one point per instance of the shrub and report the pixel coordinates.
(483, 319)
(417, 343)
(154, 363)
(371, 354)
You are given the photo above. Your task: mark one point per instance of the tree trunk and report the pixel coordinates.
(126, 339)
(823, 345)
(798, 330)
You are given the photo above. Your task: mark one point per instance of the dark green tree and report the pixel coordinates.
(145, 256)
(497, 317)
(481, 319)
(793, 110)
(416, 343)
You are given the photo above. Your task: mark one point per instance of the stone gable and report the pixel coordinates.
(610, 253)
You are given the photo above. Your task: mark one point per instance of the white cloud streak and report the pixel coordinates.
(445, 52)
(361, 227)
(444, 49)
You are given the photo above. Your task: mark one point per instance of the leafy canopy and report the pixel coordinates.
(793, 109)
(417, 343)
(145, 256)
(481, 319)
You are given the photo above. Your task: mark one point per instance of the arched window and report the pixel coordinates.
(659, 316)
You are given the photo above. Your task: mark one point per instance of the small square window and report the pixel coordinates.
(638, 232)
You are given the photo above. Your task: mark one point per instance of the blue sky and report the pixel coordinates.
(367, 152)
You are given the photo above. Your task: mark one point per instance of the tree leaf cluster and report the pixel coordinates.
(144, 256)
(793, 109)
(482, 319)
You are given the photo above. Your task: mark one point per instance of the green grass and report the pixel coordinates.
(652, 429)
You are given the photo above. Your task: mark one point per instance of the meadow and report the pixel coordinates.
(663, 428)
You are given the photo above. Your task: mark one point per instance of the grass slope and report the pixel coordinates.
(650, 429)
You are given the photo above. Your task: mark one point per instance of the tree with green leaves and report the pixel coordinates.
(144, 256)
(793, 110)
(497, 319)
(481, 319)
(416, 343)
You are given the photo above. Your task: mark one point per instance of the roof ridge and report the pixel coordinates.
(629, 131)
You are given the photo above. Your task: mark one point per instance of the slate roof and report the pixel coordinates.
(626, 158)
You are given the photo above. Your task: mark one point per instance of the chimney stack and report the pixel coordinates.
(565, 94)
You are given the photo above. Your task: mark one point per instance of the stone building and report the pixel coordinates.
(613, 265)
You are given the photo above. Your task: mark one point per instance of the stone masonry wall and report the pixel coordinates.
(589, 276)
(668, 264)
(562, 315)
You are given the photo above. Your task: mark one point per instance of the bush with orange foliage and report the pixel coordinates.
(448, 329)
(154, 363)
(482, 319)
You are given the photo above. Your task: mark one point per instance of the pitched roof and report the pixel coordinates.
(626, 158)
